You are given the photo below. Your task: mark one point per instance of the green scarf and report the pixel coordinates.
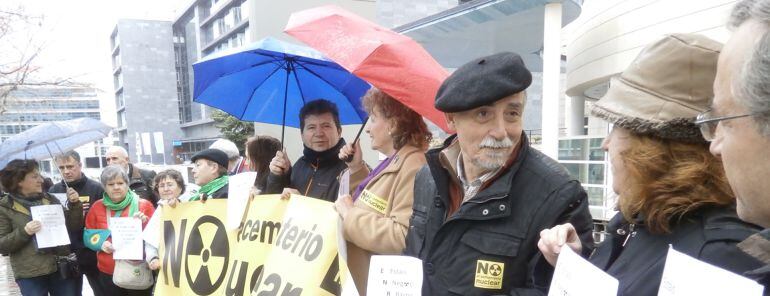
(131, 198)
(210, 187)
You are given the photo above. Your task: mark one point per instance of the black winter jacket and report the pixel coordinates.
(708, 234)
(489, 246)
(94, 191)
(141, 182)
(317, 178)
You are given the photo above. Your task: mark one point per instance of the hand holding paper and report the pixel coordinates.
(127, 238)
(576, 276)
(52, 230)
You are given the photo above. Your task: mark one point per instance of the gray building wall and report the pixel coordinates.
(394, 13)
(148, 86)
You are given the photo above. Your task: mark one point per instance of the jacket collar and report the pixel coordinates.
(400, 157)
(758, 246)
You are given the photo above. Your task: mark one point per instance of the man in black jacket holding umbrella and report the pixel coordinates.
(316, 173)
(89, 191)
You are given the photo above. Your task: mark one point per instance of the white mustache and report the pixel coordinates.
(490, 142)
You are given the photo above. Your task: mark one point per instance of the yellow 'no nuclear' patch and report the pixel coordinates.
(489, 275)
(373, 201)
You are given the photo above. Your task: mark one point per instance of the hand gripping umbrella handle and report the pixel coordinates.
(349, 158)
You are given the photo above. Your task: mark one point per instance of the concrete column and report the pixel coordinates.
(575, 113)
(551, 72)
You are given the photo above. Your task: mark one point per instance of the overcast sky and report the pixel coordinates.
(76, 36)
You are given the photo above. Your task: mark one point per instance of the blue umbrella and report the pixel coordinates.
(53, 138)
(269, 82)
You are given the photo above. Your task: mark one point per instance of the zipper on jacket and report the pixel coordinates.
(310, 182)
(632, 233)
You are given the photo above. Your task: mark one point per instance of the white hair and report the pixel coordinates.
(753, 81)
(226, 146)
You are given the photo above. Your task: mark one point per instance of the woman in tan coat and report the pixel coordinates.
(376, 217)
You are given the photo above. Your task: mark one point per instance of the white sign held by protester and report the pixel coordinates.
(685, 275)
(394, 275)
(127, 238)
(344, 184)
(574, 275)
(151, 232)
(62, 197)
(54, 229)
(238, 197)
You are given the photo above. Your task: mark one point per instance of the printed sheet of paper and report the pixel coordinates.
(54, 230)
(394, 275)
(574, 275)
(685, 275)
(151, 232)
(238, 197)
(344, 184)
(127, 238)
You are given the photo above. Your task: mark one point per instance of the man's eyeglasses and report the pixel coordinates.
(708, 124)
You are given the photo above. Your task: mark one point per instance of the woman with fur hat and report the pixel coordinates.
(671, 190)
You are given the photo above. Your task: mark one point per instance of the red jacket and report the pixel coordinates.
(97, 219)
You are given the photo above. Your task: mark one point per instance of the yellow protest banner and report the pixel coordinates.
(284, 247)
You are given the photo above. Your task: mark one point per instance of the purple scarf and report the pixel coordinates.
(380, 167)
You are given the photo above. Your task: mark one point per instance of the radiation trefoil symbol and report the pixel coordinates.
(207, 255)
(495, 270)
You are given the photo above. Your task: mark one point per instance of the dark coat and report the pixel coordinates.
(319, 179)
(27, 260)
(707, 234)
(141, 182)
(85, 187)
(758, 246)
(492, 239)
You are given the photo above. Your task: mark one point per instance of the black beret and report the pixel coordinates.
(483, 81)
(214, 155)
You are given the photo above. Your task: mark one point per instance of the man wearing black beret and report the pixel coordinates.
(210, 172)
(482, 199)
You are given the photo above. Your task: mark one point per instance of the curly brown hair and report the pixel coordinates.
(670, 179)
(409, 128)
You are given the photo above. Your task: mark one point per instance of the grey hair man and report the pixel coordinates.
(88, 191)
(140, 180)
(738, 124)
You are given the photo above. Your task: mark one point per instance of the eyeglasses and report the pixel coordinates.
(708, 125)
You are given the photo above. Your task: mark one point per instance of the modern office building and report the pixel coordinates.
(203, 28)
(206, 27)
(144, 77)
(30, 106)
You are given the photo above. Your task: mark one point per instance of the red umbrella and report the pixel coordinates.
(392, 62)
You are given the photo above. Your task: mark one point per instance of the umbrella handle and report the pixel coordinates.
(349, 158)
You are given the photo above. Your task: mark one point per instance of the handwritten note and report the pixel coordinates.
(238, 197)
(394, 275)
(685, 275)
(576, 276)
(127, 238)
(54, 229)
